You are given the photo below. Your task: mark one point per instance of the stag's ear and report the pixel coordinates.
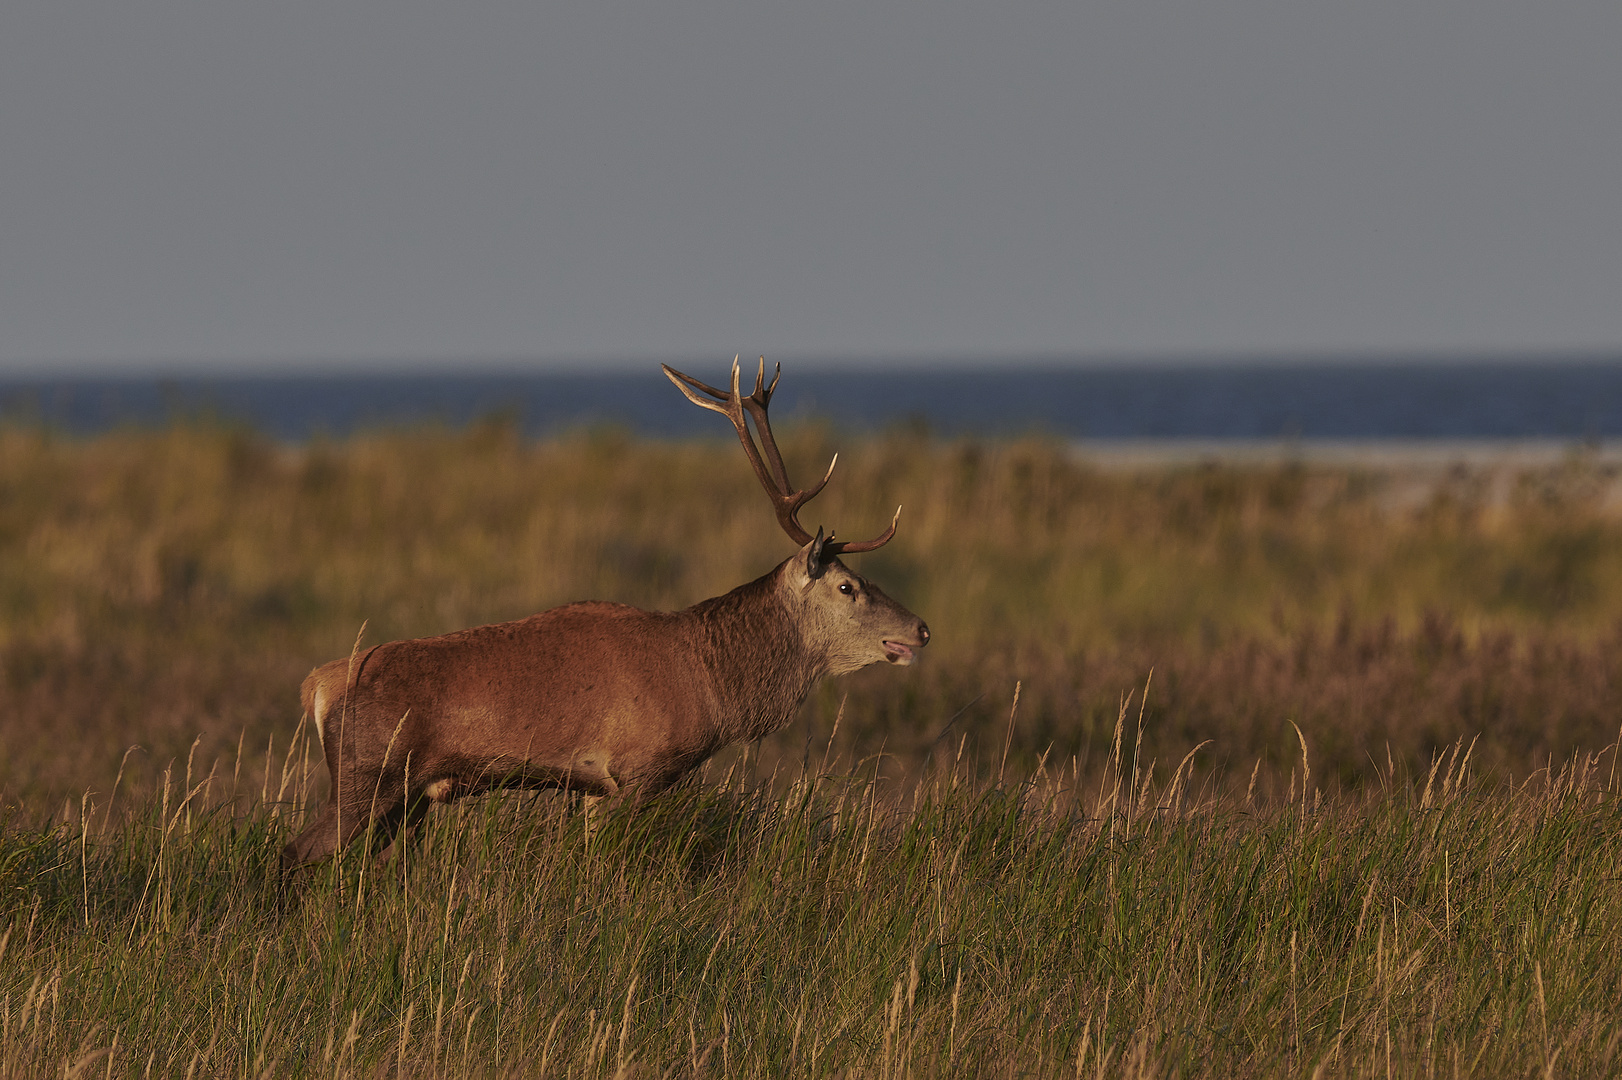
(814, 566)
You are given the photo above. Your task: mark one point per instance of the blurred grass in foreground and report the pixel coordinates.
(158, 586)
(1432, 925)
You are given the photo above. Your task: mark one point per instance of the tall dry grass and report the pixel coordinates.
(160, 586)
(1437, 924)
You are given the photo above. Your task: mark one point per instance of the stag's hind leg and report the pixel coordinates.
(321, 837)
(337, 826)
(392, 820)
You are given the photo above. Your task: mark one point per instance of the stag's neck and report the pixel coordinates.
(757, 656)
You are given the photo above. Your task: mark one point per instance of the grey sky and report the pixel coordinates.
(262, 183)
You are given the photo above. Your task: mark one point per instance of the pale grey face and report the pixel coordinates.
(854, 621)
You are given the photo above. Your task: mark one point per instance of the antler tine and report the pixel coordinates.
(731, 407)
(786, 502)
(757, 404)
(691, 388)
(856, 547)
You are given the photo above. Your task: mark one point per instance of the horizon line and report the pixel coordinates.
(960, 363)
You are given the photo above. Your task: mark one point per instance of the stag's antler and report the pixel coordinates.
(773, 477)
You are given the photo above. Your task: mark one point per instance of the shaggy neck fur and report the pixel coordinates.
(758, 659)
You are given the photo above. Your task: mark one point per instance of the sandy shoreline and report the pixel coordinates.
(1423, 454)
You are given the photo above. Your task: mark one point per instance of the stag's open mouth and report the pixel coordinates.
(897, 653)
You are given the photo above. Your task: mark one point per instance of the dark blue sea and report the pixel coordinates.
(1565, 400)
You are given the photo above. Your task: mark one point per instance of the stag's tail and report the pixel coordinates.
(323, 694)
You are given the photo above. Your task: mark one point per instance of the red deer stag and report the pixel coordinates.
(596, 697)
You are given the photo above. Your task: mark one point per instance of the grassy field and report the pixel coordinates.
(1311, 770)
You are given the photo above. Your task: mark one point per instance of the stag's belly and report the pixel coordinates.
(581, 745)
(599, 732)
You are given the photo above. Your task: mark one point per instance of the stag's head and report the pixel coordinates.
(841, 613)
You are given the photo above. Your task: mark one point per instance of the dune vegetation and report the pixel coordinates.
(1209, 769)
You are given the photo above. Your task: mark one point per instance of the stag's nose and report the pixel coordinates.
(923, 632)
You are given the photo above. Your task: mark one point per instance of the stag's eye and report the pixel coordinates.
(845, 587)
